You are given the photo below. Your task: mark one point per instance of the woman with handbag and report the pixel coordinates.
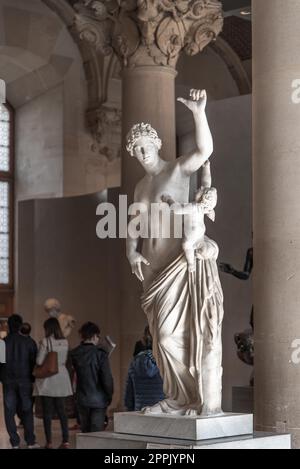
(53, 383)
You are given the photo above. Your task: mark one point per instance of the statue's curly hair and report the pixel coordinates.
(138, 131)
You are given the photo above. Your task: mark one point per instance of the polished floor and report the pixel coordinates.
(4, 439)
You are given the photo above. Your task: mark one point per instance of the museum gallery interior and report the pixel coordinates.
(149, 224)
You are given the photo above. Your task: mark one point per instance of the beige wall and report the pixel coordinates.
(39, 146)
(206, 70)
(61, 257)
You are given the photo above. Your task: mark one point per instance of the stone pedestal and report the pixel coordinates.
(137, 431)
(183, 428)
(243, 399)
(108, 440)
(112, 441)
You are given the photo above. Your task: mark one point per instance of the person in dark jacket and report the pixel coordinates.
(17, 382)
(144, 386)
(94, 389)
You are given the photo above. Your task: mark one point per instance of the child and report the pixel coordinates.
(194, 227)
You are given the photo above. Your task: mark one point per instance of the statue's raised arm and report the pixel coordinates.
(193, 161)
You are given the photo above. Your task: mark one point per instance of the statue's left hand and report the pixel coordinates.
(198, 101)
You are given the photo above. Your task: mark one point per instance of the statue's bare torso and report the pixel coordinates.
(161, 251)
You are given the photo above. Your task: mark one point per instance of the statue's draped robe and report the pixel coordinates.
(185, 313)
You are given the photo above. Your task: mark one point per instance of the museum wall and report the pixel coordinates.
(208, 71)
(61, 257)
(39, 146)
(230, 122)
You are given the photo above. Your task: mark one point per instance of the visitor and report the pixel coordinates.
(25, 329)
(54, 389)
(17, 382)
(94, 386)
(144, 386)
(145, 343)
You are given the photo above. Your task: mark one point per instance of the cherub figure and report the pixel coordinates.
(194, 226)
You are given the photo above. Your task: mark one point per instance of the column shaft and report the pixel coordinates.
(276, 147)
(148, 96)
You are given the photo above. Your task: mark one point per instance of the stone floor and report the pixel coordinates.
(4, 439)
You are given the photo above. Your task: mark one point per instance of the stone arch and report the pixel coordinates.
(98, 69)
(234, 65)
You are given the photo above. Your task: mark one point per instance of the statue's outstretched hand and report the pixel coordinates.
(136, 260)
(198, 101)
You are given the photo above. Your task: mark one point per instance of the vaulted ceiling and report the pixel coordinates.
(34, 52)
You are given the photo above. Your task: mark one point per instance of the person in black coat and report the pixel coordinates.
(94, 389)
(17, 379)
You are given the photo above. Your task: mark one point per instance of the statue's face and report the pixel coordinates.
(146, 151)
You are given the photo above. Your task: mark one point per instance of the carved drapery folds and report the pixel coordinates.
(148, 32)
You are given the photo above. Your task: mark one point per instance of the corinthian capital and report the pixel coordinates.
(147, 32)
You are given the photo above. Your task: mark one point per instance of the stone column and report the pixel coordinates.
(148, 37)
(276, 139)
(148, 96)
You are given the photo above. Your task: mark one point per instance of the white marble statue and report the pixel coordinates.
(184, 305)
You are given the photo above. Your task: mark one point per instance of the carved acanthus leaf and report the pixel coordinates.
(142, 32)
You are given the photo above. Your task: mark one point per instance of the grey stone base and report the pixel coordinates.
(183, 428)
(111, 441)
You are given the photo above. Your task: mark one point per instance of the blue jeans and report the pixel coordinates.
(49, 405)
(91, 420)
(18, 395)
